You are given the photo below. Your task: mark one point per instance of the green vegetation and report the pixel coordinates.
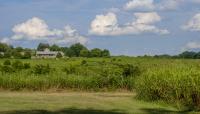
(94, 74)
(174, 81)
(79, 103)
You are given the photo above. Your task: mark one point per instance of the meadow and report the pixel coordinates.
(173, 81)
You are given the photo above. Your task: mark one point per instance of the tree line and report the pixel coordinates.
(183, 55)
(75, 50)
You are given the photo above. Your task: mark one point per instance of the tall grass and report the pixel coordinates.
(176, 82)
(76, 73)
(171, 80)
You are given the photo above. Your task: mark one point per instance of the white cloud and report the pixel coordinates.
(139, 4)
(34, 28)
(37, 29)
(193, 24)
(168, 4)
(193, 45)
(153, 5)
(143, 23)
(5, 40)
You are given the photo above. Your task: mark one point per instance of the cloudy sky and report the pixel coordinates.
(125, 27)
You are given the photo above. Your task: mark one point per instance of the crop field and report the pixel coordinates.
(172, 81)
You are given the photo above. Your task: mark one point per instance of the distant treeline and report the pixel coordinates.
(183, 55)
(75, 50)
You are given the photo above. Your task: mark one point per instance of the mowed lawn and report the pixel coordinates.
(78, 103)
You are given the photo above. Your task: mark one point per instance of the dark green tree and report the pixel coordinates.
(76, 48)
(96, 52)
(105, 53)
(188, 55)
(85, 53)
(59, 55)
(27, 55)
(42, 46)
(4, 47)
(55, 47)
(19, 49)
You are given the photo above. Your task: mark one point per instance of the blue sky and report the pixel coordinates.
(128, 27)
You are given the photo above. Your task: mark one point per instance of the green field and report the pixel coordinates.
(172, 81)
(78, 103)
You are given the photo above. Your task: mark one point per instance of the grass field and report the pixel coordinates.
(173, 81)
(78, 103)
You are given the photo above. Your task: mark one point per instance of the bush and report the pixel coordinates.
(27, 65)
(27, 55)
(59, 55)
(17, 65)
(70, 69)
(130, 70)
(7, 62)
(6, 69)
(41, 69)
(83, 62)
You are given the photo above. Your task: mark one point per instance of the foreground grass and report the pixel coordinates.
(78, 103)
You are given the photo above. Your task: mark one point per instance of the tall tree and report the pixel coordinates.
(4, 47)
(55, 47)
(105, 53)
(42, 46)
(96, 52)
(85, 53)
(76, 48)
(188, 54)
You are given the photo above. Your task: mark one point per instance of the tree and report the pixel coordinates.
(85, 53)
(55, 47)
(59, 55)
(105, 53)
(70, 53)
(4, 47)
(7, 54)
(96, 52)
(27, 55)
(76, 48)
(19, 49)
(42, 46)
(188, 54)
(17, 55)
(197, 56)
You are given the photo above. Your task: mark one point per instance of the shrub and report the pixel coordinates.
(83, 62)
(70, 69)
(6, 69)
(17, 65)
(130, 70)
(7, 62)
(27, 65)
(41, 69)
(27, 55)
(59, 55)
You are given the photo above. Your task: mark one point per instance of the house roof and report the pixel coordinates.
(48, 52)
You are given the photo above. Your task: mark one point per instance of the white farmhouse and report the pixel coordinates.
(48, 54)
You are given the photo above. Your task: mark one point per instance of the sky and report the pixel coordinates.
(125, 27)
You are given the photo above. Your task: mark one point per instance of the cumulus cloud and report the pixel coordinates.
(34, 28)
(156, 5)
(37, 29)
(143, 23)
(168, 4)
(193, 45)
(193, 24)
(139, 4)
